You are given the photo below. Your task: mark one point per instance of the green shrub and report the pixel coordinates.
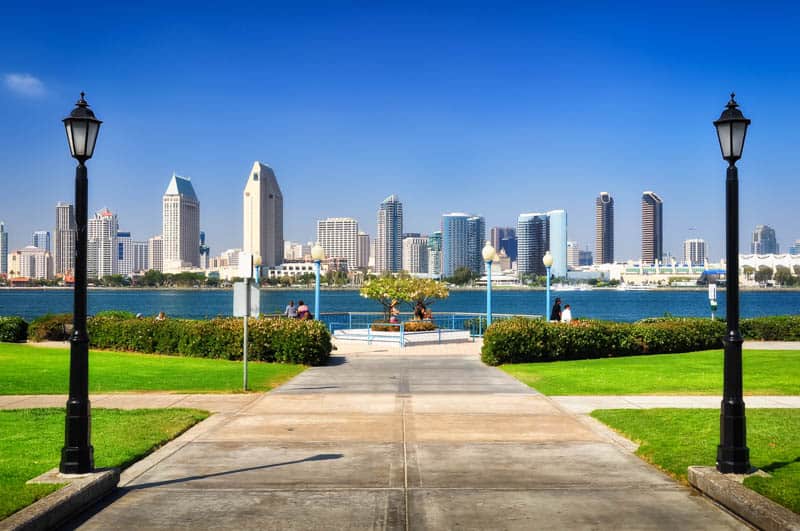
(773, 328)
(50, 327)
(274, 340)
(522, 340)
(116, 314)
(13, 329)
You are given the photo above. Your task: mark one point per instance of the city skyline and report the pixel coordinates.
(497, 144)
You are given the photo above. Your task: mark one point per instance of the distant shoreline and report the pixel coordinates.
(355, 288)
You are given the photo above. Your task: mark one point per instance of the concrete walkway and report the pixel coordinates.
(407, 441)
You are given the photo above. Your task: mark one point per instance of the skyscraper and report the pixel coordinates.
(604, 229)
(363, 250)
(415, 254)
(652, 229)
(140, 253)
(533, 235)
(64, 245)
(124, 254)
(389, 240)
(155, 253)
(41, 239)
(463, 237)
(3, 249)
(435, 254)
(694, 251)
(263, 215)
(764, 241)
(573, 255)
(557, 220)
(181, 224)
(498, 234)
(205, 251)
(339, 238)
(30, 262)
(102, 250)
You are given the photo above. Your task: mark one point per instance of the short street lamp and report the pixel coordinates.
(77, 456)
(733, 456)
(488, 256)
(547, 260)
(317, 254)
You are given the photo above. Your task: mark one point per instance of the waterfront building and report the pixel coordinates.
(557, 220)
(585, 258)
(533, 233)
(155, 253)
(652, 228)
(102, 250)
(435, 254)
(476, 239)
(205, 251)
(573, 255)
(509, 246)
(30, 262)
(795, 249)
(139, 250)
(363, 249)
(64, 244)
(41, 239)
(415, 254)
(263, 215)
(338, 237)
(463, 237)
(180, 224)
(694, 251)
(389, 240)
(295, 269)
(604, 229)
(764, 241)
(124, 254)
(3, 249)
(498, 234)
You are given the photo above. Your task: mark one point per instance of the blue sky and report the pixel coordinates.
(494, 109)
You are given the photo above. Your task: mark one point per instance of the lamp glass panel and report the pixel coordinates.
(737, 138)
(79, 137)
(724, 133)
(93, 129)
(68, 127)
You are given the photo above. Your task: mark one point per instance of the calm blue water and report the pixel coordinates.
(599, 304)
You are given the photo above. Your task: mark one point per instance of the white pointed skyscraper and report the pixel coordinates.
(263, 215)
(181, 224)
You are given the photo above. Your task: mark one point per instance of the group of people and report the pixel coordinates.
(559, 315)
(301, 311)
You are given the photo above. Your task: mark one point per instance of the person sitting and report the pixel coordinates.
(566, 315)
(161, 316)
(291, 310)
(303, 312)
(428, 314)
(394, 312)
(419, 311)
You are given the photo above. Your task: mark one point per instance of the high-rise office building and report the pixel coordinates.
(509, 246)
(694, 251)
(435, 254)
(604, 229)
(585, 258)
(795, 249)
(363, 250)
(652, 228)
(205, 251)
(263, 215)
(3, 249)
(155, 253)
(41, 239)
(557, 220)
(764, 241)
(139, 249)
(102, 250)
(415, 254)
(389, 240)
(573, 255)
(533, 235)
(338, 237)
(463, 237)
(64, 244)
(180, 224)
(30, 262)
(124, 254)
(498, 234)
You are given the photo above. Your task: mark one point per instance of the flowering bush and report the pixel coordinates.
(13, 329)
(50, 327)
(522, 340)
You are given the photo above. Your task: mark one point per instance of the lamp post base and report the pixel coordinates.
(77, 456)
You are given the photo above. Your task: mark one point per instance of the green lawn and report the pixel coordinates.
(31, 442)
(674, 439)
(766, 372)
(35, 370)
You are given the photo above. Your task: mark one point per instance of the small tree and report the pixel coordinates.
(748, 271)
(783, 276)
(386, 290)
(763, 274)
(425, 291)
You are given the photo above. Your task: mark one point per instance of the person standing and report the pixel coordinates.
(555, 313)
(566, 315)
(303, 311)
(291, 310)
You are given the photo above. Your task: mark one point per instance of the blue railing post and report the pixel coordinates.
(349, 320)
(453, 321)
(402, 335)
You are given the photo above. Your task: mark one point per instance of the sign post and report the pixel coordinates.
(246, 302)
(712, 298)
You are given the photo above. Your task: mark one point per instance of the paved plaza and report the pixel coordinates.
(399, 439)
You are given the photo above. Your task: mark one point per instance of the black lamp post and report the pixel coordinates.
(77, 456)
(733, 456)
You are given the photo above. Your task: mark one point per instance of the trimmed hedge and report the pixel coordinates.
(13, 329)
(50, 327)
(773, 328)
(272, 340)
(522, 340)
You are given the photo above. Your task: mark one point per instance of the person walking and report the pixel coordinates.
(291, 310)
(566, 315)
(555, 313)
